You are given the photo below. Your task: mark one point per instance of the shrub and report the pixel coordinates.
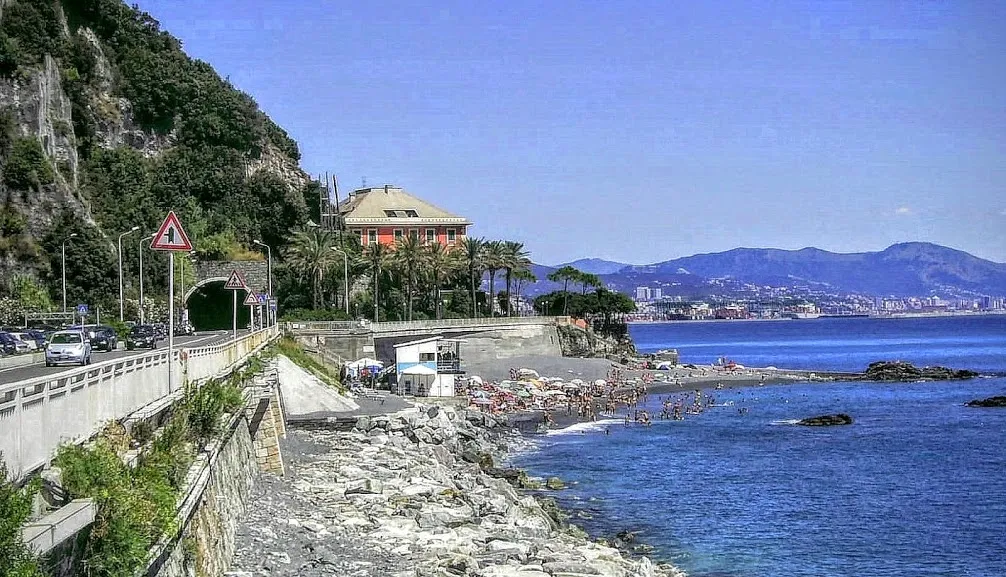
(27, 167)
(16, 559)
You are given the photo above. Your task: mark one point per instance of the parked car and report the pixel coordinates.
(39, 336)
(141, 336)
(68, 347)
(11, 345)
(26, 339)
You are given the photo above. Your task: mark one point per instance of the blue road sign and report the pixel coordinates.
(262, 299)
(81, 309)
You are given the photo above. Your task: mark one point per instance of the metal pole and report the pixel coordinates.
(120, 280)
(171, 319)
(64, 276)
(345, 279)
(234, 331)
(345, 275)
(64, 268)
(269, 274)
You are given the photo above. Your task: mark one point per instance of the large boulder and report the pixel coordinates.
(826, 420)
(989, 402)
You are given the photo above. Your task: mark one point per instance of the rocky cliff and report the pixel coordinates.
(577, 342)
(105, 124)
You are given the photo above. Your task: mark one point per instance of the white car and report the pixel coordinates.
(68, 347)
(26, 339)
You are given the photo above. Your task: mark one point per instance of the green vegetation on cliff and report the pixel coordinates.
(185, 140)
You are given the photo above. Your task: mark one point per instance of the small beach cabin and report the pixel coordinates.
(427, 367)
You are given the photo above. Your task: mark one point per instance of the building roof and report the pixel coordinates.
(419, 342)
(393, 205)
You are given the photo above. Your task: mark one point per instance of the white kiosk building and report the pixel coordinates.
(427, 367)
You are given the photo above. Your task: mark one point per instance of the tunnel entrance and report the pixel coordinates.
(211, 306)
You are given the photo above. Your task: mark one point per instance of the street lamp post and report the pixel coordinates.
(130, 231)
(345, 275)
(73, 235)
(269, 275)
(142, 313)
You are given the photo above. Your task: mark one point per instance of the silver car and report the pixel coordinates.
(68, 347)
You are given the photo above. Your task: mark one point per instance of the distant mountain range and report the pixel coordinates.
(907, 269)
(595, 265)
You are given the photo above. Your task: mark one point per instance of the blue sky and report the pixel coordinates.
(642, 131)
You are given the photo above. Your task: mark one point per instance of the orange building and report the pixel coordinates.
(385, 214)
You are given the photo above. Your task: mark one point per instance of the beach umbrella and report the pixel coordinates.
(577, 382)
(480, 393)
(600, 382)
(571, 386)
(523, 393)
(475, 380)
(528, 374)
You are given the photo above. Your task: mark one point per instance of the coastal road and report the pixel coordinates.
(40, 370)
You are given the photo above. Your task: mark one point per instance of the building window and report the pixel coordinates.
(359, 236)
(452, 236)
(372, 236)
(399, 234)
(411, 214)
(427, 357)
(431, 235)
(414, 233)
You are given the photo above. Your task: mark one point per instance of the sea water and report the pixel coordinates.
(916, 486)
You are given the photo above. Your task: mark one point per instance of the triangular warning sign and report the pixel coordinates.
(171, 236)
(235, 281)
(251, 299)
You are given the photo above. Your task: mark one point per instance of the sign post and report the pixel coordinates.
(235, 283)
(171, 237)
(252, 301)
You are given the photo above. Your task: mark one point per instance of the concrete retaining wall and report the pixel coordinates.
(206, 544)
(503, 344)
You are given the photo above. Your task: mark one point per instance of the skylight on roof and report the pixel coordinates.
(398, 213)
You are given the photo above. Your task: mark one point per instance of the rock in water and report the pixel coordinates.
(555, 484)
(826, 420)
(902, 371)
(989, 402)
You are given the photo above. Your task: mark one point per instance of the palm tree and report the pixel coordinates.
(523, 275)
(442, 263)
(376, 256)
(514, 258)
(408, 257)
(310, 255)
(472, 250)
(564, 275)
(493, 260)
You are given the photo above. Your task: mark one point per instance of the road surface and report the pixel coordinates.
(40, 370)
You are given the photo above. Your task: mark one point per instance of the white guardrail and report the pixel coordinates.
(421, 325)
(39, 414)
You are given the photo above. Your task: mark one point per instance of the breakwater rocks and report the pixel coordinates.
(902, 371)
(414, 494)
(989, 402)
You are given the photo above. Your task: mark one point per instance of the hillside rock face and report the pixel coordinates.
(41, 110)
(112, 161)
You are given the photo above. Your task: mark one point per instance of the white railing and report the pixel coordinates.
(383, 327)
(204, 363)
(38, 414)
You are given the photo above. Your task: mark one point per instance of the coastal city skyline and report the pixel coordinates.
(847, 127)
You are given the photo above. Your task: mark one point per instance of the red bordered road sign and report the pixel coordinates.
(236, 281)
(171, 236)
(251, 299)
